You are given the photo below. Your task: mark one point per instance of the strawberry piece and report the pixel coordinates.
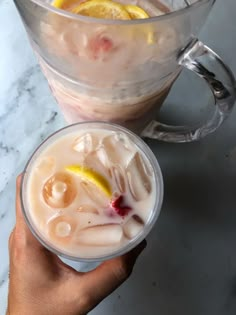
(100, 45)
(119, 207)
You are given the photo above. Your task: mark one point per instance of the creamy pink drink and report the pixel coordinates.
(92, 191)
(109, 73)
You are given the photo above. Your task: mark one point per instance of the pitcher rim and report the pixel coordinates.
(154, 19)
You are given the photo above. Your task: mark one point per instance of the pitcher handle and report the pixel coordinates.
(200, 59)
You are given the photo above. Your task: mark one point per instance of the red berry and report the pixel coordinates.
(100, 45)
(119, 207)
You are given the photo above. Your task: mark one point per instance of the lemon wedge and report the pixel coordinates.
(92, 176)
(103, 9)
(136, 12)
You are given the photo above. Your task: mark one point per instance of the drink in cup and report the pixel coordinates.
(92, 191)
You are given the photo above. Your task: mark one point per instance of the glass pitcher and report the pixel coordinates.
(121, 71)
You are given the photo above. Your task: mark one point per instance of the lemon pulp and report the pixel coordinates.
(92, 176)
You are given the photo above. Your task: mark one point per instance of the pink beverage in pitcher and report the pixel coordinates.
(111, 68)
(116, 60)
(92, 191)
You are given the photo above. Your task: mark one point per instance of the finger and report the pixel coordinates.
(19, 215)
(10, 238)
(22, 232)
(108, 276)
(25, 248)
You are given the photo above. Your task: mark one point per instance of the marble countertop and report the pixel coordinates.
(189, 266)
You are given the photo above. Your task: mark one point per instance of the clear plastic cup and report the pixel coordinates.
(35, 227)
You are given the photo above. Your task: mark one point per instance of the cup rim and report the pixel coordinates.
(89, 19)
(130, 245)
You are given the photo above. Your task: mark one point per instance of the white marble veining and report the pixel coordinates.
(27, 115)
(189, 266)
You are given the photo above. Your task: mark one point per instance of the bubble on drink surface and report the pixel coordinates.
(118, 148)
(85, 143)
(95, 194)
(138, 175)
(132, 227)
(61, 228)
(59, 191)
(85, 208)
(100, 235)
(46, 166)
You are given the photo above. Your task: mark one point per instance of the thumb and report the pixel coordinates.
(22, 233)
(102, 281)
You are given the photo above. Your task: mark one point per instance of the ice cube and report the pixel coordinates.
(122, 138)
(100, 235)
(138, 178)
(68, 38)
(119, 178)
(138, 219)
(46, 166)
(87, 209)
(95, 162)
(132, 228)
(102, 156)
(117, 148)
(89, 219)
(95, 194)
(85, 143)
(59, 191)
(61, 228)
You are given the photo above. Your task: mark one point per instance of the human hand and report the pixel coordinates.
(41, 284)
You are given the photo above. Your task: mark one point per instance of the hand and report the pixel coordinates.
(41, 284)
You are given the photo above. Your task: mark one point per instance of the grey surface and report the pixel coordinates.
(189, 266)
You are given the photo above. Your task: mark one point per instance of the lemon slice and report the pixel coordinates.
(91, 176)
(58, 3)
(103, 9)
(136, 12)
(63, 4)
